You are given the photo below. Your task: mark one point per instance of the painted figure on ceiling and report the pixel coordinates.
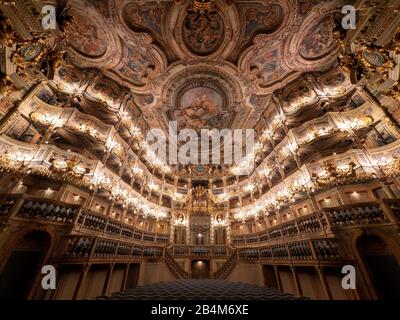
(201, 35)
(197, 115)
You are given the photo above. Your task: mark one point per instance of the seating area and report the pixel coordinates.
(189, 289)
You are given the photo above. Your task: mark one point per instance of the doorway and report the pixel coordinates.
(18, 274)
(132, 276)
(382, 266)
(200, 269)
(270, 280)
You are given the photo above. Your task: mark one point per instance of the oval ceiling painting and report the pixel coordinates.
(203, 34)
(200, 108)
(319, 40)
(86, 37)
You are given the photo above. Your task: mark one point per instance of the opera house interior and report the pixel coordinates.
(83, 192)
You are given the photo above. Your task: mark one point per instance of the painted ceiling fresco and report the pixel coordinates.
(202, 36)
(88, 39)
(200, 108)
(243, 53)
(318, 40)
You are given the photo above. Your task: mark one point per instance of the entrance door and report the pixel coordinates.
(385, 272)
(133, 276)
(382, 266)
(200, 269)
(18, 274)
(270, 277)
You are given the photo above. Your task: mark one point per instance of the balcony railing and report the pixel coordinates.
(89, 247)
(76, 216)
(310, 250)
(358, 215)
(325, 222)
(306, 238)
(301, 227)
(200, 251)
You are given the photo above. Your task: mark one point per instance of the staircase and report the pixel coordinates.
(174, 267)
(227, 267)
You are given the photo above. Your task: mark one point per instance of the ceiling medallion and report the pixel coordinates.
(201, 35)
(204, 8)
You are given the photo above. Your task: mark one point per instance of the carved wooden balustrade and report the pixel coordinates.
(82, 221)
(325, 222)
(173, 266)
(308, 252)
(213, 251)
(309, 239)
(98, 223)
(303, 251)
(314, 224)
(394, 206)
(88, 248)
(26, 207)
(227, 267)
(361, 214)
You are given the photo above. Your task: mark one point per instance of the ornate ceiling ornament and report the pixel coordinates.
(8, 36)
(7, 86)
(86, 37)
(194, 35)
(282, 53)
(395, 92)
(319, 40)
(202, 36)
(89, 40)
(203, 7)
(202, 94)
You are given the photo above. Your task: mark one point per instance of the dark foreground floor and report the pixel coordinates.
(200, 290)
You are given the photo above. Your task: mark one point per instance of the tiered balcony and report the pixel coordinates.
(326, 222)
(88, 248)
(300, 251)
(78, 219)
(309, 136)
(313, 239)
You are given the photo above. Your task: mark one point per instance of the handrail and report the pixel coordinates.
(37, 104)
(227, 267)
(174, 267)
(298, 133)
